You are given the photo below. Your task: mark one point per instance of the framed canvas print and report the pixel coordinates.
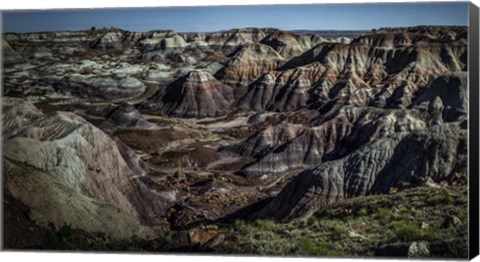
(265, 130)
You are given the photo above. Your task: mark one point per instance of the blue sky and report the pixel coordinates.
(206, 19)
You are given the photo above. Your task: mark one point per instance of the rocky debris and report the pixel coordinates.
(216, 241)
(198, 94)
(451, 221)
(202, 236)
(428, 182)
(355, 235)
(199, 157)
(418, 249)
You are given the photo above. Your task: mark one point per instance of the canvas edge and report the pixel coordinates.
(473, 181)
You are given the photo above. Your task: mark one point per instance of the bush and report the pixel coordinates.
(307, 247)
(390, 234)
(383, 213)
(273, 247)
(38, 218)
(331, 212)
(312, 221)
(339, 229)
(402, 214)
(440, 199)
(458, 241)
(407, 232)
(336, 228)
(239, 224)
(362, 211)
(265, 224)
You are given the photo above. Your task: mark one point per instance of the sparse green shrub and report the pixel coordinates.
(308, 247)
(273, 247)
(390, 234)
(402, 214)
(331, 212)
(303, 223)
(265, 224)
(337, 229)
(403, 209)
(461, 201)
(312, 220)
(440, 199)
(38, 218)
(407, 232)
(362, 211)
(239, 224)
(458, 241)
(383, 213)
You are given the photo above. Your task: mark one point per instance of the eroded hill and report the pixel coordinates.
(159, 132)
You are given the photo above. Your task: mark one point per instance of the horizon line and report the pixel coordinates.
(226, 30)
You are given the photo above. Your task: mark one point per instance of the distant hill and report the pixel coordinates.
(331, 33)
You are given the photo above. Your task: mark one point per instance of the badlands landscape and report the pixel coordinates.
(246, 141)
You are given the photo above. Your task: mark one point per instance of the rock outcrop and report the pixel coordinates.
(447, 95)
(97, 87)
(373, 169)
(9, 54)
(123, 115)
(284, 91)
(197, 94)
(77, 161)
(249, 62)
(267, 68)
(285, 147)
